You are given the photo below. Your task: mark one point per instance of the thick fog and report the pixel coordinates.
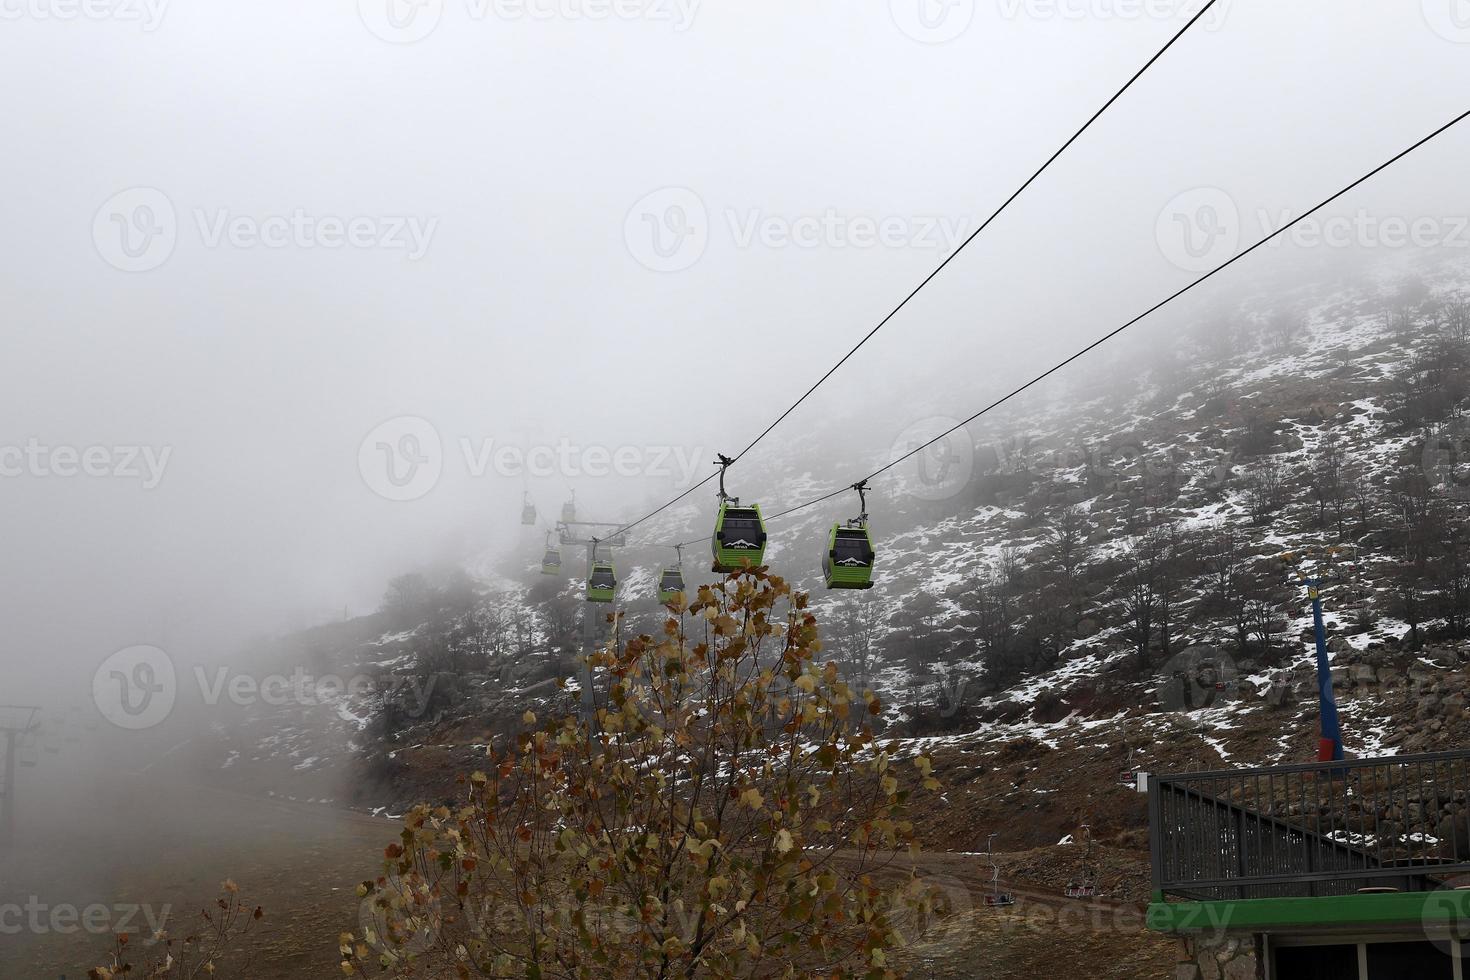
(240, 238)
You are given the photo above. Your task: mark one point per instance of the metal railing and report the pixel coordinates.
(1330, 828)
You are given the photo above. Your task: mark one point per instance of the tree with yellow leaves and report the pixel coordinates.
(720, 816)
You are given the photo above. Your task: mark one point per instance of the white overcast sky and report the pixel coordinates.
(520, 138)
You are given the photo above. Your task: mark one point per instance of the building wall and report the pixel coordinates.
(1220, 958)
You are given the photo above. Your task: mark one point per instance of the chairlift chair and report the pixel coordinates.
(996, 899)
(1085, 885)
(1129, 777)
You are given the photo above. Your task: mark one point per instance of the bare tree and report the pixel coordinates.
(1265, 489)
(1284, 328)
(1327, 482)
(857, 621)
(1230, 580)
(1138, 595)
(1455, 322)
(1451, 572)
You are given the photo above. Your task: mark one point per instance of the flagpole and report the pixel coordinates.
(1329, 741)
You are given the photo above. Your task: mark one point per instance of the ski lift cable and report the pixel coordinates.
(983, 225)
(943, 265)
(1152, 309)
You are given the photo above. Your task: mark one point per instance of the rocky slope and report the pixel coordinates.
(1088, 583)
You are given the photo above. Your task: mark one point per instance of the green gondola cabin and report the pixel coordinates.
(551, 562)
(670, 585)
(602, 582)
(739, 538)
(848, 562)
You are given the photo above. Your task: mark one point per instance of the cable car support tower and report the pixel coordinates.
(16, 722)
